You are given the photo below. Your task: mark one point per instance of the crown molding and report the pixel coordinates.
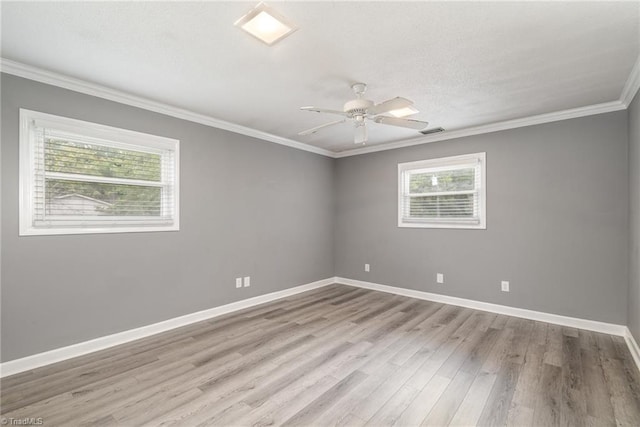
(93, 89)
(44, 76)
(633, 84)
(493, 127)
(629, 91)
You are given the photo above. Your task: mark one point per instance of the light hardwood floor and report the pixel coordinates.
(342, 356)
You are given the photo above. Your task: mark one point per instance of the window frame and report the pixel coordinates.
(99, 134)
(446, 163)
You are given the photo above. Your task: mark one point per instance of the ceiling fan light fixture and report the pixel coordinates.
(265, 24)
(360, 110)
(404, 112)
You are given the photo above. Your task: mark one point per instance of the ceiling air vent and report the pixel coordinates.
(430, 131)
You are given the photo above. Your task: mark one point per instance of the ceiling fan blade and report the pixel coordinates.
(360, 134)
(323, 110)
(317, 128)
(389, 105)
(405, 123)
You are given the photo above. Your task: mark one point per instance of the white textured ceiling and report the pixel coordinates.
(463, 63)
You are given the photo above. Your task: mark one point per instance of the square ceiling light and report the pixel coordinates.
(265, 24)
(403, 112)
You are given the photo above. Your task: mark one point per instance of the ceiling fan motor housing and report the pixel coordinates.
(357, 107)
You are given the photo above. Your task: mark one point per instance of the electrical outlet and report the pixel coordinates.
(238, 282)
(440, 278)
(367, 268)
(247, 281)
(505, 286)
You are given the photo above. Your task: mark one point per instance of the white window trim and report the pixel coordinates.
(446, 163)
(126, 139)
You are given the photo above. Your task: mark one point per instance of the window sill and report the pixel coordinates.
(442, 225)
(31, 231)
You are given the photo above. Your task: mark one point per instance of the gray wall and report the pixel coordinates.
(558, 226)
(557, 221)
(247, 208)
(634, 218)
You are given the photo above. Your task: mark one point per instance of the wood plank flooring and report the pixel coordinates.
(342, 356)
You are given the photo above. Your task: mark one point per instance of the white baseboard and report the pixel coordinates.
(633, 347)
(57, 355)
(52, 356)
(573, 322)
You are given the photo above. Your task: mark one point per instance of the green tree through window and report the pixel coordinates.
(71, 157)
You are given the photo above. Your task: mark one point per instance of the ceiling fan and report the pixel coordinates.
(360, 110)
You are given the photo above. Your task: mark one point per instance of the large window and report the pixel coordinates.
(443, 193)
(80, 177)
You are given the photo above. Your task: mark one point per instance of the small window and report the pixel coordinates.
(443, 193)
(80, 177)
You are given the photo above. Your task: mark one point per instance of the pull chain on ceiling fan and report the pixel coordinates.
(360, 110)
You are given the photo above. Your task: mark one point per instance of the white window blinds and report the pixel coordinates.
(80, 177)
(442, 193)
